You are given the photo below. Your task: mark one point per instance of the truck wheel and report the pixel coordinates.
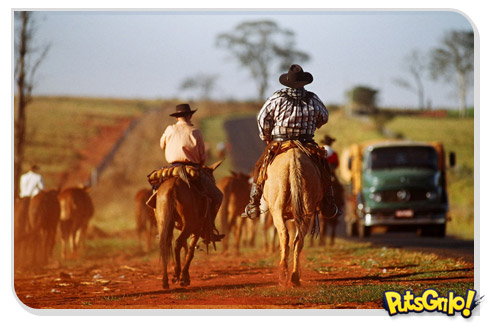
(363, 231)
(439, 230)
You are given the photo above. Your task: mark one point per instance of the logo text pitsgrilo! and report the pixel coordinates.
(429, 301)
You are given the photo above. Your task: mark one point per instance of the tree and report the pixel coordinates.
(260, 45)
(201, 82)
(415, 64)
(454, 58)
(28, 56)
(362, 98)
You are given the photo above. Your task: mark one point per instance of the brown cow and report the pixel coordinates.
(76, 210)
(44, 216)
(146, 223)
(235, 189)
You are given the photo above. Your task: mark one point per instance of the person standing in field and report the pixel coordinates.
(332, 156)
(31, 183)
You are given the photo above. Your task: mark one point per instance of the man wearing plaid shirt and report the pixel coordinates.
(291, 113)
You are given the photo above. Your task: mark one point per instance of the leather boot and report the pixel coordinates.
(329, 208)
(252, 210)
(211, 233)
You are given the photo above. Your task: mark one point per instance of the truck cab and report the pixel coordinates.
(396, 184)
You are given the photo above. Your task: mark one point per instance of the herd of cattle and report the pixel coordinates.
(38, 220)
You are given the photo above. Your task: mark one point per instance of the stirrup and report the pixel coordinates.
(252, 211)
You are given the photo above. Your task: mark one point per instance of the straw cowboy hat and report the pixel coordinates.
(295, 77)
(182, 110)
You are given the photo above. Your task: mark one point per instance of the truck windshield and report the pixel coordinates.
(407, 157)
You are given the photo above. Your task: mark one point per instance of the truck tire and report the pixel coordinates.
(439, 230)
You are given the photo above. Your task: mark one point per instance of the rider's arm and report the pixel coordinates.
(265, 121)
(201, 149)
(322, 114)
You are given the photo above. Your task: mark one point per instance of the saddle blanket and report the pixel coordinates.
(185, 172)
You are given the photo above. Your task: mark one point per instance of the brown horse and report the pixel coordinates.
(21, 229)
(146, 223)
(44, 216)
(331, 223)
(235, 189)
(183, 207)
(293, 191)
(76, 210)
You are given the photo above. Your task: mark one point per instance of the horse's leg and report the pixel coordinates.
(253, 231)
(333, 228)
(262, 220)
(323, 229)
(180, 242)
(284, 246)
(297, 247)
(185, 279)
(238, 233)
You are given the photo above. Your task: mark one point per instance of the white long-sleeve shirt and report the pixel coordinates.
(30, 184)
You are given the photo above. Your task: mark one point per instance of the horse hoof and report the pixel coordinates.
(185, 283)
(175, 279)
(165, 286)
(295, 280)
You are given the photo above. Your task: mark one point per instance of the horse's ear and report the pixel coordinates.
(233, 173)
(215, 165)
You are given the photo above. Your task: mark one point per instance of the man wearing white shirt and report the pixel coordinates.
(31, 183)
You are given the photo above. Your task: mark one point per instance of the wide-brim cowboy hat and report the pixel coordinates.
(182, 110)
(327, 139)
(295, 77)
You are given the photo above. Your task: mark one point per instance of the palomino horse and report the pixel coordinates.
(146, 223)
(44, 216)
(235, 188)
(180, 206)
(293, 191)
(76, 210)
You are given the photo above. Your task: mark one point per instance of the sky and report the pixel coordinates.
(148, 54)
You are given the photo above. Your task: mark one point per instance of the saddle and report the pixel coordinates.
(311, 149)
(185, 172)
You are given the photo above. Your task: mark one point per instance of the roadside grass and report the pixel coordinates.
(57, 127)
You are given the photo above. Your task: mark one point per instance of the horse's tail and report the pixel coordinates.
(296, 186)
(166, 215)
(223, 211)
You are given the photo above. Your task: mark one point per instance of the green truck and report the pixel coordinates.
(396, 185)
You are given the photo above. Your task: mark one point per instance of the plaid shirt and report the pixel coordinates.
(291, 112)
